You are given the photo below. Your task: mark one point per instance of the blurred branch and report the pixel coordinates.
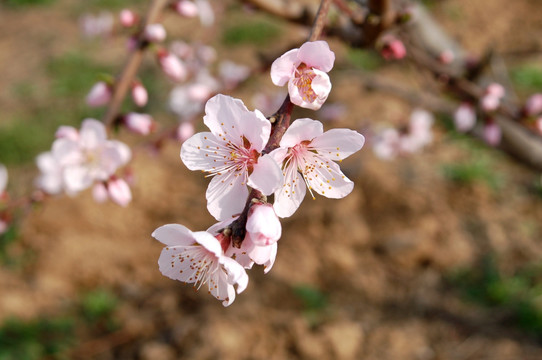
(427, 35)
(122, 84)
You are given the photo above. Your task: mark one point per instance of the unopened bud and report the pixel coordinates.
(185, 130)
(155, 33)
(392, 48)
(492, 134)
(186, 8)
(172, 66)
(99, 95)
(533, 106)
(263, 225)
(464, 117)
(139, 94)
(142, 124)
(119, 191)
(128, 18)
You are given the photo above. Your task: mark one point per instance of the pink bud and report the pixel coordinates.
(155, 33)
(172, 66)
(199, 92)
(446, 57)
(3, 226)
(393, 48)
(533, 106)
(185, 130)
(490, 102)
(99, 95)
(492, 134)
(99, 192)
(186, 8)
(139, 123)
(464, 117)
(67, 132)
(119, 191)
(139, 94)
(496, 90)
(128, 18)
(263, 225)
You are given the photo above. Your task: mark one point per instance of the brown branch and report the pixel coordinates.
(320, 20)
(122, 84)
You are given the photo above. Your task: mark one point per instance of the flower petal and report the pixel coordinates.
(226, 195)
(337, 144)
(92, 133)
(236, 273)
(301, 130)
(291, 194)
(174, 235)
(77, 178)
(328, 180)
(266, 176)
(209, 242)
(198, 152)
(317, 54)
(321, 85)
(284, 67)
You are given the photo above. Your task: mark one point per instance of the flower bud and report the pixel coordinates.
(119, 191)
(99, 192)
(155, 33)
(392, 48)
(263, 225)
(99, 95)
(172, 66)
(67, 132)
(464, 117)
(186, 8)
(185, 130)
(533, 106)
(128, 18)
(139, 94)
(492, 134)
(141, 124)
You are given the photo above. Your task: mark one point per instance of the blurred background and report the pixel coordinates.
(436, 255)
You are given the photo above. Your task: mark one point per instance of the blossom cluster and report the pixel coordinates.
(79, 159)
(235, 153)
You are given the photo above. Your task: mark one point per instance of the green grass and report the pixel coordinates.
(35, 339)
(98, 304)
(28, 2)
(254, 32)
(528, 78)
(517, 295)
(474, 170)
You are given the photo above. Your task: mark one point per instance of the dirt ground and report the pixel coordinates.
(365, 277)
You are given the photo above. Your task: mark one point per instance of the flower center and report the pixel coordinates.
(303, 81)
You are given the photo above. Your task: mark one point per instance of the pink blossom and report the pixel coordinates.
(230, 153)
(263, 226)
(188, 100)
(172, 66)
(420, 133)
(386, 144)
(533, 106)
(307, 156)
(249, 253)
(185, 130)
(198, 258)
(96, 25)
(232, 74)
(492, 98)
(446, 57)
(119, 191)
(464, 117)
(186, 8)
(51, 178)
(68, 132)
(99, 95)
(83, 161)
(305, 70)
(155, 33)
(206, 13)
(392, 48)
(139, 94)
(99, 192)
(141, 124)
(128, 18)
(492, 133)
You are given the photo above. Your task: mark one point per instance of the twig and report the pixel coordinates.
(123, 82)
